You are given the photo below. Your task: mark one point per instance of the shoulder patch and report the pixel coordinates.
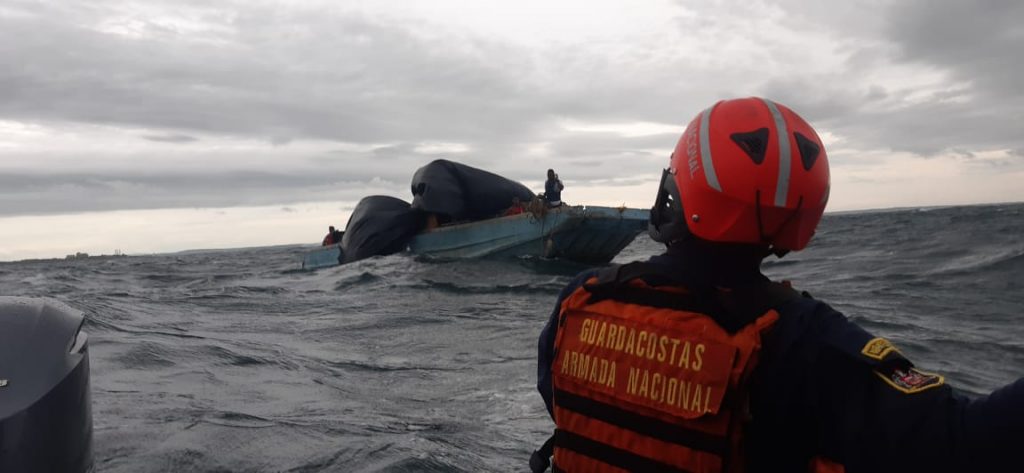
(878, 348)
(907, 379)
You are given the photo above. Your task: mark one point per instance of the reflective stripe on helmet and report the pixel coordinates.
(705, 150)
(785, 159)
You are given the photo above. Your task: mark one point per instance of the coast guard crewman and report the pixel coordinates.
(694, 361)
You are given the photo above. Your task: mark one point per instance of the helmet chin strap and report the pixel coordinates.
(760, 224)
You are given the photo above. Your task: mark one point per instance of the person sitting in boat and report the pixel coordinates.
(333, 236)
(431, 222)
(553, 189)
(516, 208)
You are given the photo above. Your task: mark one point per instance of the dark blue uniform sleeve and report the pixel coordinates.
(826, 387)
(545, 355)
(994, 429)
(546, 343)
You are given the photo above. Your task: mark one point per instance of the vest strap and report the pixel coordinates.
(732, 308)
(644, 425)
(541, 458)
(611, 455)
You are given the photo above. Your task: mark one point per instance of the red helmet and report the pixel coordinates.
(732, 179)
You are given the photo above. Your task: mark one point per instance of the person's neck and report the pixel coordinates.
(720, 264)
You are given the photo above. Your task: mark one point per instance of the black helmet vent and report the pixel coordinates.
(754, 143)
(809, 151)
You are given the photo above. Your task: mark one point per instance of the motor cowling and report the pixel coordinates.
(45, 405)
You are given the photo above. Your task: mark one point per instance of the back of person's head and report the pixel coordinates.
(746, 171)
(331, 228)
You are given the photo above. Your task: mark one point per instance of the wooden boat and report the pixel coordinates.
(587, 234)
(323, 257)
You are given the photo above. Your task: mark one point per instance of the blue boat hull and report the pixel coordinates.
(602, 234)
(583, 234)
(323, 257)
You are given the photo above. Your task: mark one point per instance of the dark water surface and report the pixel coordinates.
(236, 361)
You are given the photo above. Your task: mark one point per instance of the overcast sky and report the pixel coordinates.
(157, 125)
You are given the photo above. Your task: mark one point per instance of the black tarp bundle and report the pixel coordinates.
(382, 225)
(462, 192)
(379, 225)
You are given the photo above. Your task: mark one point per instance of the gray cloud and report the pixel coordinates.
(979, 41)
(978, 45)
(321, 178)
(281, 75)
(27, 194)
(975, 44)
(287, 75)
(393, 151)
(171, 138)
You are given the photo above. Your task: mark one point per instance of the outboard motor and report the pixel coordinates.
(45, 407)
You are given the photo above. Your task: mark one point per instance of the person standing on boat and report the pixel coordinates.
(695, 361)
(553, 189)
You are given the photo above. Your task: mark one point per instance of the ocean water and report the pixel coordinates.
(235, 360)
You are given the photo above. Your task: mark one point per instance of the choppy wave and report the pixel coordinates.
(237, 360)
(549, 288)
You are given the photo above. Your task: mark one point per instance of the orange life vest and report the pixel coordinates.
(645, 381)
